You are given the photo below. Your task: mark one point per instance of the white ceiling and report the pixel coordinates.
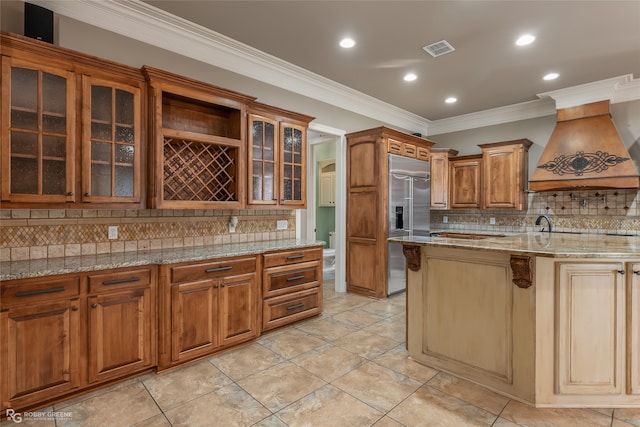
(584, 41)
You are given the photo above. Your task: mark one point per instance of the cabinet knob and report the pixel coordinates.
(621, 272)
(222, 286)
(637, 272)
(70, 193)
(74, 308)
(94, 305)
(215, 286)
(87, 195)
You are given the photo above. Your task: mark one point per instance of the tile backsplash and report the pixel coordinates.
(36, 234)
(604, 211)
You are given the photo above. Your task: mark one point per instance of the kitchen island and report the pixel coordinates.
(550, 319)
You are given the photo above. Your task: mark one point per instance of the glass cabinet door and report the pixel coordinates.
(110, 142)
(293, 172)
(262, 161)
(37, 133)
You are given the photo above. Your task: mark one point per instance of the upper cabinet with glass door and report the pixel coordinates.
(277, 157)
(38, 133)
(48, 158)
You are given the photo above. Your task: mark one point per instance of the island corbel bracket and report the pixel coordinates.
(412, 254)
(521, 266)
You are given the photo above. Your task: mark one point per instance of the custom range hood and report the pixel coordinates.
(585, 151)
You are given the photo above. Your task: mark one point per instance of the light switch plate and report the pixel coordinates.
(112, 232)
(445, 219)
(282, 224)
(492, 221)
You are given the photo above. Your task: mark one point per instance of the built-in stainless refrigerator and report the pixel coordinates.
(409, 198)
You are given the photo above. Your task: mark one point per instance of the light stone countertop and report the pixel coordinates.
(64, 265)
(543, 244)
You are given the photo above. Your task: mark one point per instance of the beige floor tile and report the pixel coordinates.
(157, 421)
(326, 328)
(619, 423)
(290, 342)
(629, 415)
(366, 344)
(377, 386)
(504, 423)
(390, 328)
(520, 413)
(329, 406)
(90, 395)
(281, 385)
(185, 383)
(358, 318)
(398, 359)
(384, 307)
(428, 407)
(329, 362)
(227, 406)
(469, 392)
(272, 421)
(121, 407)
(387, 422)
(334, 306)
(244, 361)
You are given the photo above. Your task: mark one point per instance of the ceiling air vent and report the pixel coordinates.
(439, 48)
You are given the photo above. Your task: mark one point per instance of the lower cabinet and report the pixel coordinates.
(291, 286)
(61, 334)
(206, 307)
(633, 341)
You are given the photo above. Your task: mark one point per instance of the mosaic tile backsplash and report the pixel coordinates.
(598, 212)
(36, 234)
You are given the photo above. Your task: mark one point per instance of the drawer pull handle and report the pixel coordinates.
(637, 272)
(39, 292)
(295, 256)
(294, 278)
(621, 272)
(119, 281)
(214, 270)
(293, 307)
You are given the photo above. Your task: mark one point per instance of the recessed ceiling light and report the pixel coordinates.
(451, 100)
(347, 43)
(409, 77)
(551, 76)
(525, 39)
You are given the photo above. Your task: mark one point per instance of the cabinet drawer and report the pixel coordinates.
(289, 308)
(292, 257)
(394, 147)
(31, 291)
(210, 270)
(119, 279)
(422, 154)
(409, 150)
(286, 279)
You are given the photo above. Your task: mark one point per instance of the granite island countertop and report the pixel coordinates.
(64, 265)
(542, 244)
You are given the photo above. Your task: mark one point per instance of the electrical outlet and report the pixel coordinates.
(445, 219)
(112, 232)
(492, 221)
(282, 224)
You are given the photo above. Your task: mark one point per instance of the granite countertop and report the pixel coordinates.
(544, 244)
(64, 265)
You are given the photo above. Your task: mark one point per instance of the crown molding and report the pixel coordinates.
(616, 89)
(148, 24)
(494, 116)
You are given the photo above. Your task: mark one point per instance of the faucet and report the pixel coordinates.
(545, 217)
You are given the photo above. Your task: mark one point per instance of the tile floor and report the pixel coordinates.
(347, 367)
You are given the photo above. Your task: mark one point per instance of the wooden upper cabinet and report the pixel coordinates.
(440, 177)
(465, 182)
(504, 174)
(197, 147)
(71, 127)
(111, 141)
(38, 132)
(277, 157)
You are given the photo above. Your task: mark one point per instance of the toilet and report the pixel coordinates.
(329, 258)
